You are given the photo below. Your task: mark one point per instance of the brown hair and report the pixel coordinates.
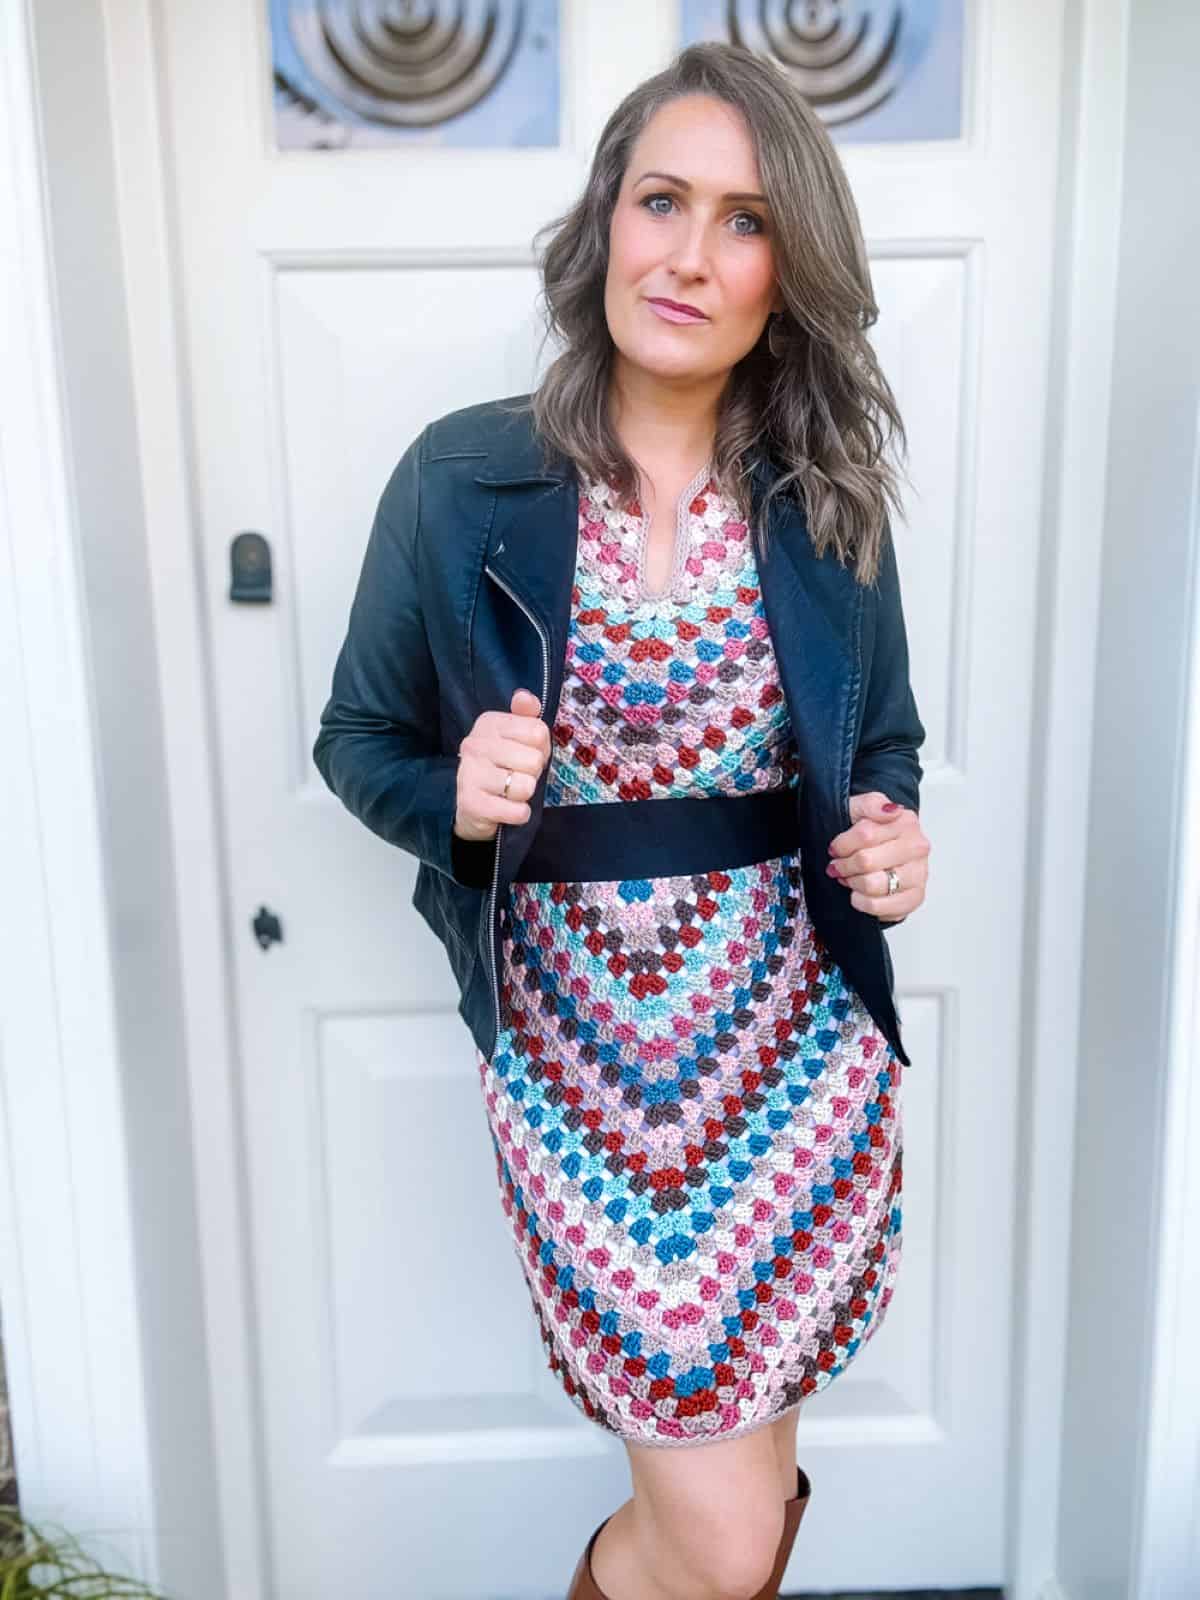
(822, 412)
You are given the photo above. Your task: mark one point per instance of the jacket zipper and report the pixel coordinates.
(545, 643)
(851, 712)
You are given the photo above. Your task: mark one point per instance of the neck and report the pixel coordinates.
(660, 419)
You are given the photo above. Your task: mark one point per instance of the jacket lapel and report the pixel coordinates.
(531, 550)
(814, 611)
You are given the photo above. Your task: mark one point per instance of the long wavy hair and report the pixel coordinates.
(821, 413)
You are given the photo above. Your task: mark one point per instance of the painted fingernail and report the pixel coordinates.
(832, 870)
(889, 805)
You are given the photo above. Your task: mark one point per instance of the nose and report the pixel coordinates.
(690, 256)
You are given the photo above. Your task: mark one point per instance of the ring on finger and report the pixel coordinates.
(508, 778)
(893, 878)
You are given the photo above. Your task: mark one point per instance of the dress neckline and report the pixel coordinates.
(681, 542)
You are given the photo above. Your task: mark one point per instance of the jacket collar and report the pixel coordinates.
(515, 455)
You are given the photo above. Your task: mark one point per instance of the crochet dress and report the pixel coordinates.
(696, 1121)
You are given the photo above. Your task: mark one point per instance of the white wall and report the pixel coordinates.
(1135, 829)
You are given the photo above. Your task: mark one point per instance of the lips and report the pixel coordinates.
(676, 310)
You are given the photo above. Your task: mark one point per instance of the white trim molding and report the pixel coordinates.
(1077, 428)
(1167, 1563)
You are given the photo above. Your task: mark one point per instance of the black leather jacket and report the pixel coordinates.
(464, 596)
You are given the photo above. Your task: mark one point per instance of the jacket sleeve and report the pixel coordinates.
(378, 746)
(891, 733)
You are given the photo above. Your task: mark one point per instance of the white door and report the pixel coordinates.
(413, 1441)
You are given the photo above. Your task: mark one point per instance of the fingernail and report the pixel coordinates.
(890, 805)
(832, 870)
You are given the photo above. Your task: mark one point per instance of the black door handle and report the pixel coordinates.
(249, 568)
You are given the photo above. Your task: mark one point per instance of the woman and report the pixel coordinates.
(681, 619)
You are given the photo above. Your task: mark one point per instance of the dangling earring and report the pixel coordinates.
(774, 324)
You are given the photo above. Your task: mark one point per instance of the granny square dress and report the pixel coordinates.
(696, 1121)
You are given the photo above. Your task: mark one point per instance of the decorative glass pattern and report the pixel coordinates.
(878, 70)
(467, 73)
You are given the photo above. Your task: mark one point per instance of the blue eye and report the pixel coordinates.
(759, 226)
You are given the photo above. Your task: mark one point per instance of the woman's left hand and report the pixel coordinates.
(878, 839)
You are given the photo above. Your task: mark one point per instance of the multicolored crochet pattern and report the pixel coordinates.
(696, 1122)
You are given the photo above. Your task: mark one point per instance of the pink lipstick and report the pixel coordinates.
(672, 311)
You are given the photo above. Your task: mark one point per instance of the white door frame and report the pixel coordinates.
(78, 1381)
(1077, 428)
(78, 1316)
(68, 1289)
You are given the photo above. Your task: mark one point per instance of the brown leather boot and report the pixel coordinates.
(583, 1585)
(793, 1511)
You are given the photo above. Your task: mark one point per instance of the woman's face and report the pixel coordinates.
(687, 228)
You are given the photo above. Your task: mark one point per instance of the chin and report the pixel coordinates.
(672, 371)
(669, 363)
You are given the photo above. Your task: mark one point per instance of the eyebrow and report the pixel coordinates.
(682, 183)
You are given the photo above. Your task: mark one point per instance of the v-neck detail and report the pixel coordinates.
(680, 543)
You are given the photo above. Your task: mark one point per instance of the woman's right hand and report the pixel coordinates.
(515, 741)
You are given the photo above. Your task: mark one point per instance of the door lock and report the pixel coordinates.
(267, 928)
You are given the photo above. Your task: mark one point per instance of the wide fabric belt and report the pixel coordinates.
(617, 839)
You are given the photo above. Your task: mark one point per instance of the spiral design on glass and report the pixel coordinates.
(408, 63)
(843, 55)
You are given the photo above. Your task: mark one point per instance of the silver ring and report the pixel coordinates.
(893, 880)
(508, 778)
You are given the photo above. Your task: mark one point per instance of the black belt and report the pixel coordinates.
(614, 839)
